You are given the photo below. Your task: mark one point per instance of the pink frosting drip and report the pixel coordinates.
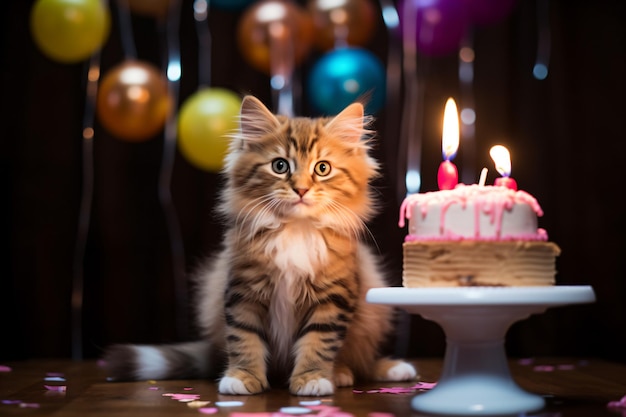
(491, 200)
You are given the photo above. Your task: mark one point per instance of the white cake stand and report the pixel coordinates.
(475, 379)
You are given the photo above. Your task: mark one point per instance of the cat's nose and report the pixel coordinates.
(301, 191)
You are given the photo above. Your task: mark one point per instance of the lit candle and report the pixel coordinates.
(448, 175)
(502, 159)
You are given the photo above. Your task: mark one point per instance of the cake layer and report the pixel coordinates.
(472, 212)
(482, 263)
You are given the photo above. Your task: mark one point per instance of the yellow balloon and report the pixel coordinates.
(205, 120)
(69, 30)
(133, 101)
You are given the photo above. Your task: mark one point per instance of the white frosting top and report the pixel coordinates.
(472, 212)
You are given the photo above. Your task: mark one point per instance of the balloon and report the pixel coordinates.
(133, 101)
(230, 4)
(440, 24)
(289, 24)
(487, 12)
(352, 20)
(343, 76)
(204, 121)
(69, 31)
(154, 8)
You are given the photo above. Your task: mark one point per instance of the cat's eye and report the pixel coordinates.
(280, 165)
(322, 168)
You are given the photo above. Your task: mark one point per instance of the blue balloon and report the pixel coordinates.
(343, 76)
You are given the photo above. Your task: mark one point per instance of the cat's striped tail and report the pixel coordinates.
(173, 361)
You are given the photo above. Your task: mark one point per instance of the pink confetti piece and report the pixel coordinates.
(379, 414)
(618, 404)
(4, 368)
(60, 374)
(208, 410)
(11, 402)
(526, 361)
(566, 367)
(154, 388)
(543, 368)
(181, 397)
(29, 405)
(187, 389)
(421, 386)
(424, 385)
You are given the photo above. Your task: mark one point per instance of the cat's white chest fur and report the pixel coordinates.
(299, 248)
(297, 251)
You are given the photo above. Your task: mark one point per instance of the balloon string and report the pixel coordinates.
(540, 70)
(281, 47)
(84, 216)
(468, 113)
(411, 129)
(126, 29)
(201, 15)
(174, 72)
(391, 19)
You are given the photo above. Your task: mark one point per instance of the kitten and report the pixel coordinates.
(285, 297)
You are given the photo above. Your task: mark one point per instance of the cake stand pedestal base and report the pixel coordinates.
(475, 379)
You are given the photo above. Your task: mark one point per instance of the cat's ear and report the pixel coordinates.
(349, 124)
(256, 120)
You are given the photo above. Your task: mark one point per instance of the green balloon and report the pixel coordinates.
(205, 121)
(69, 31)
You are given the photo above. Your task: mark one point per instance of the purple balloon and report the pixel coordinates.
(439, 24)
(487, 12)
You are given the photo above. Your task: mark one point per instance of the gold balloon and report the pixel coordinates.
(274, 28)
(342, 22)
(133, 101)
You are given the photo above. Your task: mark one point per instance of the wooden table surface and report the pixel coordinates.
(572, 387)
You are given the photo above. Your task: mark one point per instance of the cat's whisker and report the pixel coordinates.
(357, 231)
(250, 210)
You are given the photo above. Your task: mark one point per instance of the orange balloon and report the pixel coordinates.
(133, 101)
(342, 22)
(274, 28)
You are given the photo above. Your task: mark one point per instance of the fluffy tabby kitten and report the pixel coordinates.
(285, 298)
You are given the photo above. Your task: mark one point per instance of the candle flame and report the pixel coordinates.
(502, 159)
(450, 134)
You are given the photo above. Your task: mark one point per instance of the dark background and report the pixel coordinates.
(565, 134)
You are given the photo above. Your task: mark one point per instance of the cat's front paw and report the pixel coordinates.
(246, 385)
(233, 386)
(314, 387)
(394, 370)
(401, 372)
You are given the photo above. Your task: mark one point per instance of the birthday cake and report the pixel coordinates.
(475, 235)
